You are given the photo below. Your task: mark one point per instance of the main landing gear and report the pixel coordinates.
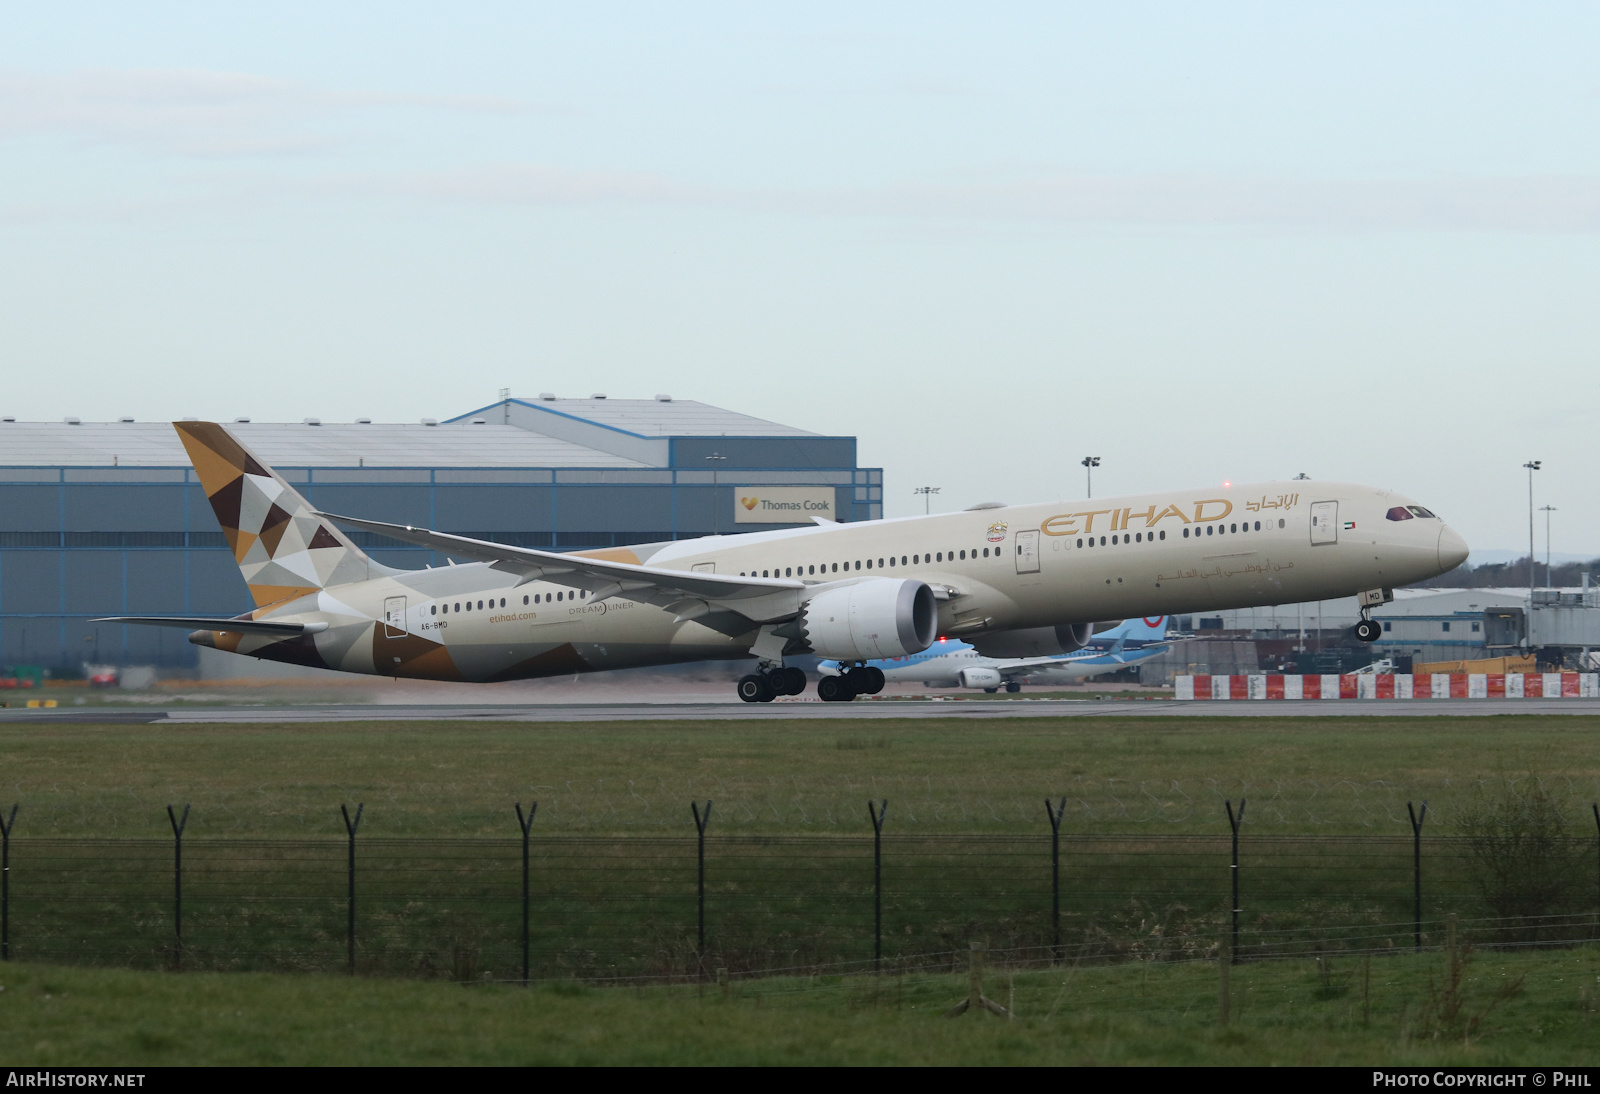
(861, 680)
(765, 686)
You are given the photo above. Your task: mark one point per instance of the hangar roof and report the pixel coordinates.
(658, 417)
(155, 444)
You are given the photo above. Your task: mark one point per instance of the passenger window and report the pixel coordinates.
(1258, 526)
(524, 602)
(1210, 530)
(1080, 543)
(1163, 533)
(1280, 522)
(902, 560)
(1186, 533)
(434, 610)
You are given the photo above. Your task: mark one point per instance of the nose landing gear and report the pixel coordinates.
(1367, 630)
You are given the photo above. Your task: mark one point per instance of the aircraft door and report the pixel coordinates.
(704, 568)
(1324, 522)
(1028, 552)
(394, 617)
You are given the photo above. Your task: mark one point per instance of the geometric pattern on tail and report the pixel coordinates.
(282, 548)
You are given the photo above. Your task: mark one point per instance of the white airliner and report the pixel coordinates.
(952, 663)
(1026, 581)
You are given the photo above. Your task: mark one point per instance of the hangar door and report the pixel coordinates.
(1324, 522)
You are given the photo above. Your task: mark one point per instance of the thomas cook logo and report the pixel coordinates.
(997, 532)
(749, 503)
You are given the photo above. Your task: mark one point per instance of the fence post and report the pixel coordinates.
(350, 922)
(6, 825)
(1234, 821)
(1416, 872)
(1594, 805)
(1056, 812)
(178, 824)
(525, 823)
(1224, 991)
(877, 813)
(700, 822)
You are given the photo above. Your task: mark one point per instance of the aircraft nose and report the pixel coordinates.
(1452, 549)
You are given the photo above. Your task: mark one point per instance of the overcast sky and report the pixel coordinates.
(1203, 242)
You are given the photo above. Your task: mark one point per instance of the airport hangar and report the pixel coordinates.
(109, 519)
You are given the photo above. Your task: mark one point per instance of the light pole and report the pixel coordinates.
(1547, 510)
(1089, 464)
(1532, 466)
(927, 492)
(716, 501)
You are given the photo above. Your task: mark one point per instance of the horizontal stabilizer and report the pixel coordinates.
(211, 623)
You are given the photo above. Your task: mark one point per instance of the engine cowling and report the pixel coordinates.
(1037, 641)
(980, 678)
(866, 620)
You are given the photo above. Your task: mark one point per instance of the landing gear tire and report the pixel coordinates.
(835, 689)
(871, 680)
(794, 680)
(755, 689)
(1368, 631)
(1013, 687)
(990, 691)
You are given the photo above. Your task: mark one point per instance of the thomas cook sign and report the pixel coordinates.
(782, 504)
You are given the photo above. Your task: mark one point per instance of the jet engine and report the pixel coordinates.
(865, 620)
(1037, 641)
(980, 678)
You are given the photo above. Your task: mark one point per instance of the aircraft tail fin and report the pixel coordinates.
(1151, 629)
(283, 549)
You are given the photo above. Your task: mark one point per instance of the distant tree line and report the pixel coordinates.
(1513, 575)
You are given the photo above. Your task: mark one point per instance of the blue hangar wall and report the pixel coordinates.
(79, 542)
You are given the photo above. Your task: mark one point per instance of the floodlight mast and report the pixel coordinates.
(1532, 466)
(927, 492)
(1089, 464)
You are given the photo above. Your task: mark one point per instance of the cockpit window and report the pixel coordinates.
(1420, 511)
(1399, 512)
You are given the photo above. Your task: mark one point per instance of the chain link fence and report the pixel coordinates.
(636, 907)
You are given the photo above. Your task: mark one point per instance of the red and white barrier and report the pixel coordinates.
(1439, 685)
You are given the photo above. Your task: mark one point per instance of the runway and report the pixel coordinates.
(807, 710)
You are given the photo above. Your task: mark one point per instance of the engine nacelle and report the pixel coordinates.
(1037, 641)
(866, 620)
(980, 678)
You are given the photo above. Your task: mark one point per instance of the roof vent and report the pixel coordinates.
(70, 420)
(242, 421)
(480, 421)
(363, 421)
(189, 419)
(598, 395)
(124, 419)
(7, 419)
(430, 421)
(986, 505)
(313, 421)
(663, 398)
(547, 396)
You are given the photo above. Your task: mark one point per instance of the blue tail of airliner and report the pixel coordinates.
(1133, 633)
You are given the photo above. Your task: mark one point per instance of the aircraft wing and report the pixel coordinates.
(690, 594)
(213, 623)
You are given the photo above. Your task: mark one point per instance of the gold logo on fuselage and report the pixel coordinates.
(1202, 511)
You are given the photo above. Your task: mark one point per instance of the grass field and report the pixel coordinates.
(1536, 1009)
(1119, 775)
